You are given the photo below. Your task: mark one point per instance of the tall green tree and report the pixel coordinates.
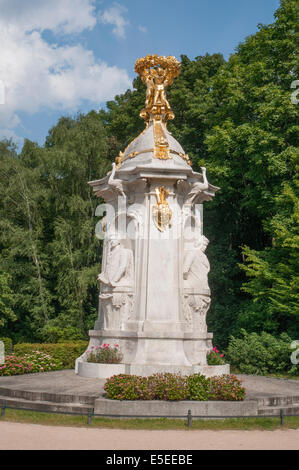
(21, 238)
(6, 303)
(48, 246)
(253, 156)
(236, 118)
(76, 152)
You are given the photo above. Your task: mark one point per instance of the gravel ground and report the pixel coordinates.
(19, 436)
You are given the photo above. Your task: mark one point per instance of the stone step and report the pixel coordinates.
(277, 400)
(32, 395)
(292, 410)
(36, 405)
(84, 409)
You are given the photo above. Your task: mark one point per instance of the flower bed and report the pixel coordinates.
(215, 358)
(28, 364)
(105, 354)
(173, 387)
(65, 353)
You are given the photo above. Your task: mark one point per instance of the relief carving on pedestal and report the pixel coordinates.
(196, 297)
(119, 268)
(117, 281)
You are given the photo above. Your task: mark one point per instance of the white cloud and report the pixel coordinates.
(115, 16)
(8, 122)
(39, 75)
(143, 29)
(66, 16)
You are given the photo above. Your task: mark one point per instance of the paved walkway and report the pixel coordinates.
(67, 382)
(17, 436)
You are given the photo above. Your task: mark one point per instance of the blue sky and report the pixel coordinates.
(61, 57)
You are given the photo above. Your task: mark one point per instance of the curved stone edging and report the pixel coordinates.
(99, 371)
(104, 371)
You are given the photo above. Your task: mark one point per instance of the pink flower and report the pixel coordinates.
(221, 355)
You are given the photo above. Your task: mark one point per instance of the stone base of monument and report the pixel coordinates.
(149, 352)
(104, 371)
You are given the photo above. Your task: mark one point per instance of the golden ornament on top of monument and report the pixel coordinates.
(157, 72)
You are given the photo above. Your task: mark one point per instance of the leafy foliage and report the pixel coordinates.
(66, 353)
(172, 387)
(227, 388)
(199, 387)
(6, 300)
(155, 387)
(124, 387)
(28, 364)
(167, 386)
(235, 118)
(215, 357)
(7, 344)
(261, 354)
(47, 229)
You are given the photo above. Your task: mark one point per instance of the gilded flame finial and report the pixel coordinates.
(161, 212)
(157, 72)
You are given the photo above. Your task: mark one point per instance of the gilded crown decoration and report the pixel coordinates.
(157, 72)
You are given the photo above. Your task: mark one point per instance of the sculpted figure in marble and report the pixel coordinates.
(198, 188)
(115, 184)
(117, 297)
(196, 299)
(119, 269)
(197, 267)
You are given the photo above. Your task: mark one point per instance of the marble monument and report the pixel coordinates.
(154, 292)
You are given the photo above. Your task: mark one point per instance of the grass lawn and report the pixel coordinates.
(24, 416)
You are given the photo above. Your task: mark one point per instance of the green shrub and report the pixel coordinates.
(124, 387)
(227, 387)
(173, 387)
(105, 354)
(7, 344)
(261, 354)
(155, 387)
(199, 387)
(57, 334)
(65, 353)
(167, 386)
(28, 364)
